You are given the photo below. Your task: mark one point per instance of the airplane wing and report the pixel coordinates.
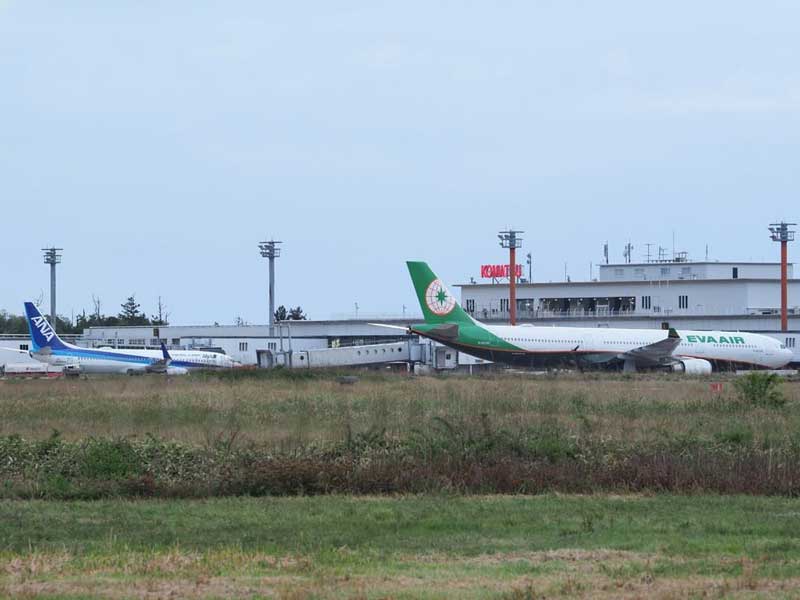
(16, 350)
(658, 353)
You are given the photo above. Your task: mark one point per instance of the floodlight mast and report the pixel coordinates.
(780, 232)
(52, 258)
(270, 251)
(510, 239)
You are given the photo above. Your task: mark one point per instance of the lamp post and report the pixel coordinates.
(270, 251)
(52, 258)
(510, 239)
(780, 232)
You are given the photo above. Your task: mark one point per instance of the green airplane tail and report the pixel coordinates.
(437, 303)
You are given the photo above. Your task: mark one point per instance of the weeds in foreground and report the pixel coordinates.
(454, 457)
(760, 389)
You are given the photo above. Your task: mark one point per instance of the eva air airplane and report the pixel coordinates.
(48, 348)
(694, 352)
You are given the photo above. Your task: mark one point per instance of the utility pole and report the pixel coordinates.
(510, 239)
(52, 258)
(780, 232)
(270, 251)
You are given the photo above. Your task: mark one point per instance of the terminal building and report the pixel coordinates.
(704, 295)
(734, 296)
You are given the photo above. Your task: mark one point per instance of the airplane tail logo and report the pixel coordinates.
(439, 299)
(437, 303)
(42, 333)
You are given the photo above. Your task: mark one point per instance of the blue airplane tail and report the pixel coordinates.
(42, 333)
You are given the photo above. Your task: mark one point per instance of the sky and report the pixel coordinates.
(158, 143)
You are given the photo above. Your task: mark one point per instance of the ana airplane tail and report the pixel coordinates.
(437, 303)
(42, 334)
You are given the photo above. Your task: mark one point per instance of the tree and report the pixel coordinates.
(281, 314)
(96, 303)
(130, 314)
(297, 314)
(162, 318)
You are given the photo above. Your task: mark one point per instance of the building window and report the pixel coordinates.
(272, 345)
(665, 271)
(638, 272)
(23, 346)
(155, 342)
(619, 273)
(504, 305)
(646, 303)
(683, 301)
(470, 305)
(790, 342)
(735, 273)
(176, 341)
(242, 346)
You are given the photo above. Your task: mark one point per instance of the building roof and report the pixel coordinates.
(627, 282)
(657, 263)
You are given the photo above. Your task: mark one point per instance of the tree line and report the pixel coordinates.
(130, 314)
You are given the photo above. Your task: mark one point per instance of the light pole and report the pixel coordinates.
(780, 232)
(510, 239)
(52, 258)
(270, 250)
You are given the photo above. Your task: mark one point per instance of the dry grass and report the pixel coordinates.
(285, 413)
(562, 573)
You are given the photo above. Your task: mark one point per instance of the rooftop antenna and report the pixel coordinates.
(648, 245)
(605, 251)
(673, 245)
(529, 260)
(706, 252)
(628, 252)
(270, 251)
(780, 232)
(52, 258)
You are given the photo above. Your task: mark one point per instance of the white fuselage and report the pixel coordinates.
(112, 360)
(730, 347)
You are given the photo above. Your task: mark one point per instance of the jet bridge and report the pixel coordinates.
(350, 356)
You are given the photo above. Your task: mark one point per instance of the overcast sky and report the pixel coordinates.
(158, 142)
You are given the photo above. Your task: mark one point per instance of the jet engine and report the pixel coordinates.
(692, 366)
(180, 371)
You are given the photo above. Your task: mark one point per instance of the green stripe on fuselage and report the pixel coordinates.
(468, 335)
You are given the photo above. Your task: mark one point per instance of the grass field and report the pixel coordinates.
(429, 547)
(285, 412)
(451, 437)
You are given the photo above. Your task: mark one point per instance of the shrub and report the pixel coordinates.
(760, 389)
(110, 459)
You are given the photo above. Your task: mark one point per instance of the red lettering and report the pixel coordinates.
(499, 271)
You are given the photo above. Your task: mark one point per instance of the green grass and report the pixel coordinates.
(413, 546)
(435, 545)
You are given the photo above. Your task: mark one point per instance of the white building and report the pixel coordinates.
(693, 295)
